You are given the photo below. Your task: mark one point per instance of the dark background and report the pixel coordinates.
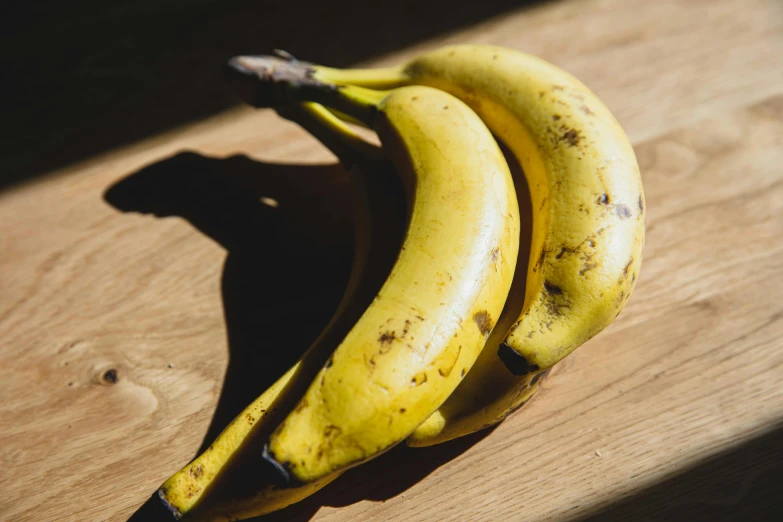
(81, 77)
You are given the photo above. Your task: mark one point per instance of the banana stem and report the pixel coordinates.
(269, 81)
(347, 119)
(357, 102)
(380, 79)
(327, 128)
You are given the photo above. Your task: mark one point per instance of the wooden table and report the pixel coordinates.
(147, 294)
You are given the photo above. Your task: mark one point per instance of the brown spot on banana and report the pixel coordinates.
(484, 322)
(540, 261)
(556, 309)
(332, 431)
(419, 379)
(587, 266)
(627, 267)
(571, 137)
(641, 204)
(554, 301)
(387, 337)
(196, 471)
(565, 250)
(552, 288)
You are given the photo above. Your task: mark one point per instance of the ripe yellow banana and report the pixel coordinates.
(225, 482)
(588, 217)
(424, 330)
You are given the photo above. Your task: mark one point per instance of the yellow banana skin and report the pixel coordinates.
(588, 217)
(187, 491)
(424, 330)
(430, 320)
(227, 482)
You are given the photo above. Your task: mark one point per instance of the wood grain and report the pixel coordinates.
(180, 280)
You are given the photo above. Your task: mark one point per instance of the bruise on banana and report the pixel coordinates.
(484, 322)
(563, 134)
(585, 250)
(621, 210)
(554, 300)
(444, 363)
(386, 341)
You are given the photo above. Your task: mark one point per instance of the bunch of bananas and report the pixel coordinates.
(440, 332)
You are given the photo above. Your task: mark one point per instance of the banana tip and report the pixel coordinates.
(516, 363)
(162, 508)
(279, 474)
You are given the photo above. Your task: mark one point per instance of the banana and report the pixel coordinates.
(224, 483)
(219, 484)
(424, 330)
(588, 217)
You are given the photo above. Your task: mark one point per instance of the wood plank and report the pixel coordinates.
(688, 370)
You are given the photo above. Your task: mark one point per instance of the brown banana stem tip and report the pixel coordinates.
(268, 81)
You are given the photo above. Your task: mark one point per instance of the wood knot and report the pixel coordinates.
(110, 376)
